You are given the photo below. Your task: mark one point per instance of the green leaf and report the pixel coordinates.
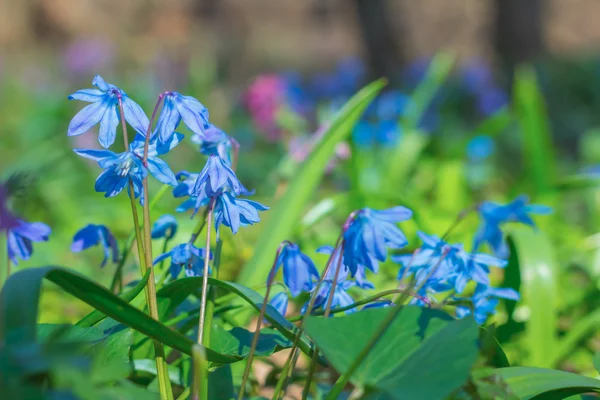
(404, 157)
(284, 216)
(425, 354)
(96, 316)
(51, 333)
(538, 154)
(19, 308)
(175, 292)
(532, 270)
(546, 384)
(237, 342)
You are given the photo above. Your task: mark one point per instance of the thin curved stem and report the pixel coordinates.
(313, 362)
(261, 316)
(205, 271)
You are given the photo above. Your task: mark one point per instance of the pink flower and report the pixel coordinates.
(263, 99)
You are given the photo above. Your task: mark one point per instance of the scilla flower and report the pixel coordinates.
(119, 169)
(93, 235)
(216, 177)
(299, 272)
(360, 276)
(493, 215)
(370, 234)
(234, 212)
(214, 141)
(177, 108)
(186, 181)
(104, 110)
(485, 300)
(20, 237)
(340, 298)
(280, 302)
(185, 256)
(164, 227)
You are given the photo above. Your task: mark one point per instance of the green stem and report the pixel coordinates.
(205, 271)
(200, 373)
(118, 276)
(294, 352)
(164, 383)
(313, 361)
(261, 316)
(184, 395)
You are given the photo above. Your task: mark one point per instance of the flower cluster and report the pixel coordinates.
(436, 273)
(216, 186)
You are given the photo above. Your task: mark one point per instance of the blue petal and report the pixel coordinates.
(170, 144)
(168, 120)
(89, 95)
(165, 226)
(89, 116)
(96, 155)
(85, 238)
(35, 231)
(99, 83)
(161, 171)
(110, 183)
(135, 115)
(280, 302)
(192, 112)
(108, 127)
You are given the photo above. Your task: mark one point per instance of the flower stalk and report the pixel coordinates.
(261, 316)
(145, 250)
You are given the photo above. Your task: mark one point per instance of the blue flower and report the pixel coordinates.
(215, 178)
(177, 108)
(485, 300)
(119, 169)
(165, 226)
(104, 110)
(280, 302)
(453, 265)
(92, 235)
(299, 272)
(185, 256)
(480, 148)
(233, 212)
(360, 276)
(19, 239)
(494, 215)
(341, 298)
(214, 141)
(369, 236)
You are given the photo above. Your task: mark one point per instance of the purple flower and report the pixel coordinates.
(7, 219)
(20, 239)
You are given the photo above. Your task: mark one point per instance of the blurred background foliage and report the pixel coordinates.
(462, 120)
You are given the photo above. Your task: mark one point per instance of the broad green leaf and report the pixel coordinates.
(19, 308)
(425, 354)
(538, 154)
(237, 342)
(532, 271)
(173, 293)
(546, 384)
(96, 316)
(68, 333)
(284, 216)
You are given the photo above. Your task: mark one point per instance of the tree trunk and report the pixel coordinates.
(518, 31)
(381, 42)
